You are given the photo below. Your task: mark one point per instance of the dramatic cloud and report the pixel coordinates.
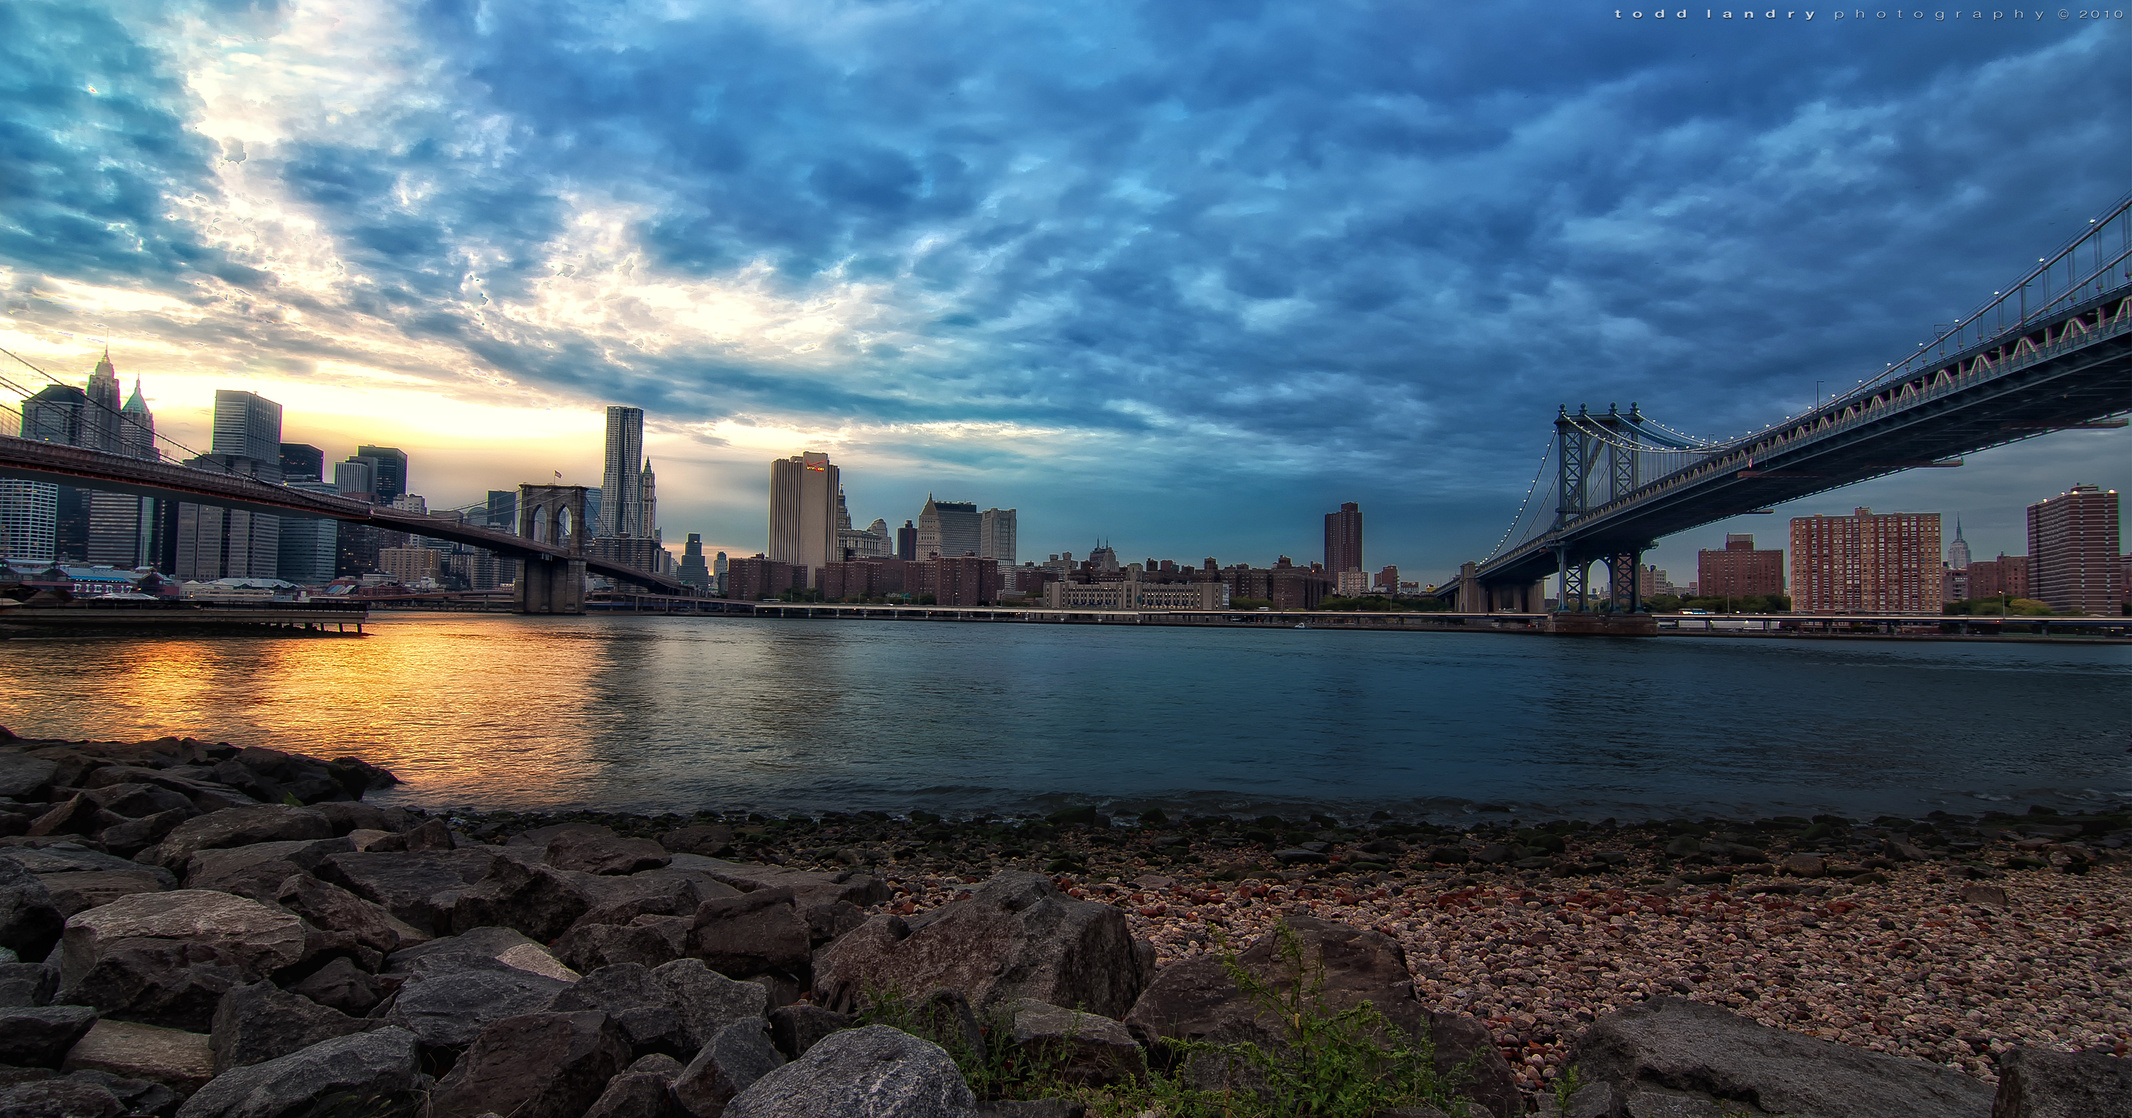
(1184, 274)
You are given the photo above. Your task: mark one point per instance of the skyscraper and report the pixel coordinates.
(249, 425)
(103, 422)
(694, 572)
(358, 478)
(907, 541)
(302, 460)
(503, 510)
(803, 511)
(1866, 563)
(2073, 561)
(38, 520)
(1343, 539)
(995, 536)
(949, 528)
(621, 479)
(390, 465)
(1958, 551)
(647, 503)
(122, 527)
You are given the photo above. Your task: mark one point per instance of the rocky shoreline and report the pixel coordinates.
(206, 930)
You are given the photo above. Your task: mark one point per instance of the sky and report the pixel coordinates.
(1179, 275)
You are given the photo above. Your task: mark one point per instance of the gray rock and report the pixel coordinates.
(639, 1004)
(421, 889)
(750, 934)
(647, 940)
(60, 1098)
(79, 815)
(598, 850)
(733, 1060)
(488, 942)
(29, 922)
(2041, 1083)
(808, 887)
(1684, 1046)
(135, 835)
(540, 901)
(85, 889)
(237, 826)
(139, 799)
(659, 1064)
(39, 1037)
(341, 985)
(377, 1071)
(1014, 937)
(138, 1096)
(796, 1028)
(637, 1095)
(167, 958)
(826, 922)
(176, 1058)
(1081, 1047)
(260, 1021)
(352, 815)
(21, 776)
(620, 900)
(27, 984)
(875, 1072)
(207, 866)
(68, 857)
(537, 1065)
(709, 1001)
(449, 999)
(337, 910)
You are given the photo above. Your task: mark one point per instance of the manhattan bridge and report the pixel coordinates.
(2052, 352)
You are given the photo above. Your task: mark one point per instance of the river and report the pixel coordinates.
(658, 714)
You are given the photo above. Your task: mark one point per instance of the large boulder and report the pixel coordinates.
(138, 799)
(448, 999)
(71, 1097)
(75, 891)
(23, 776)
(341, 985)
(796, 1028)
(808, 886)
(637, 1094)
(1676, 1045)
(636, 1002)
(754, 933)
(874, 1072)
(2041, 1083)
(598, 850)
(27, 984)
(646, 940)
(375, 1074)
(175, 1058)
(260, 1021)
(29, 922)
(537, 1065)
(206, 867)
(733, 1060)
(1014, 937)
(421, 889)
(540, 901)
(1196, 1000)
(335, 909)
(39, 1036)
(237, 826)
(1079, 1047)
(501, 944)
(167, 958)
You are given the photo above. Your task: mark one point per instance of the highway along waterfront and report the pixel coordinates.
(677, 713)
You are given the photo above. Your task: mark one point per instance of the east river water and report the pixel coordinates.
(658, 714)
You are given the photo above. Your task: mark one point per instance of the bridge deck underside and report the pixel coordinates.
(2080, 386)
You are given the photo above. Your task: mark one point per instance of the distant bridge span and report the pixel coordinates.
(2064, 362)
(30, 460)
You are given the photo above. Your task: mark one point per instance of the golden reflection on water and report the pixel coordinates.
(444, 704)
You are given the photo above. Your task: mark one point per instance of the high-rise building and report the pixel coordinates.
(247, 425)
(647, 503)
(2073, 546)
(309, 551)
(693, 570)
(302, 460)
(803, 512)
(1958, 551)
(621, 478)
(1991, 578)
(390, 466)
(1865, 563)
(1387, 579)
(1343, 539)
(995, 536)
(39, 520)
(949, 528)
(103, 421)
(907, 542)
(137, 432)
(503, 510)
(358, 478)
(1739, 571)
(214, 542)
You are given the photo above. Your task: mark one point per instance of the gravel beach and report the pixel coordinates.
(1949, 939)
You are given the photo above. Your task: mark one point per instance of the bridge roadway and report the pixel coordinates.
(2068, 370)
(29, 460)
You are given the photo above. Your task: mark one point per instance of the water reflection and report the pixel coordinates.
(664, 714)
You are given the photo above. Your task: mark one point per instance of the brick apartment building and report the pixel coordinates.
(1866, 563)
(1739, 571)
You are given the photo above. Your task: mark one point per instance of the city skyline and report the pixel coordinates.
(1256, 272)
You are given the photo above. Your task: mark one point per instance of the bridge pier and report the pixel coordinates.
(552, 514)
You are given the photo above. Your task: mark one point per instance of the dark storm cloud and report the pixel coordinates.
(1360, 250)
